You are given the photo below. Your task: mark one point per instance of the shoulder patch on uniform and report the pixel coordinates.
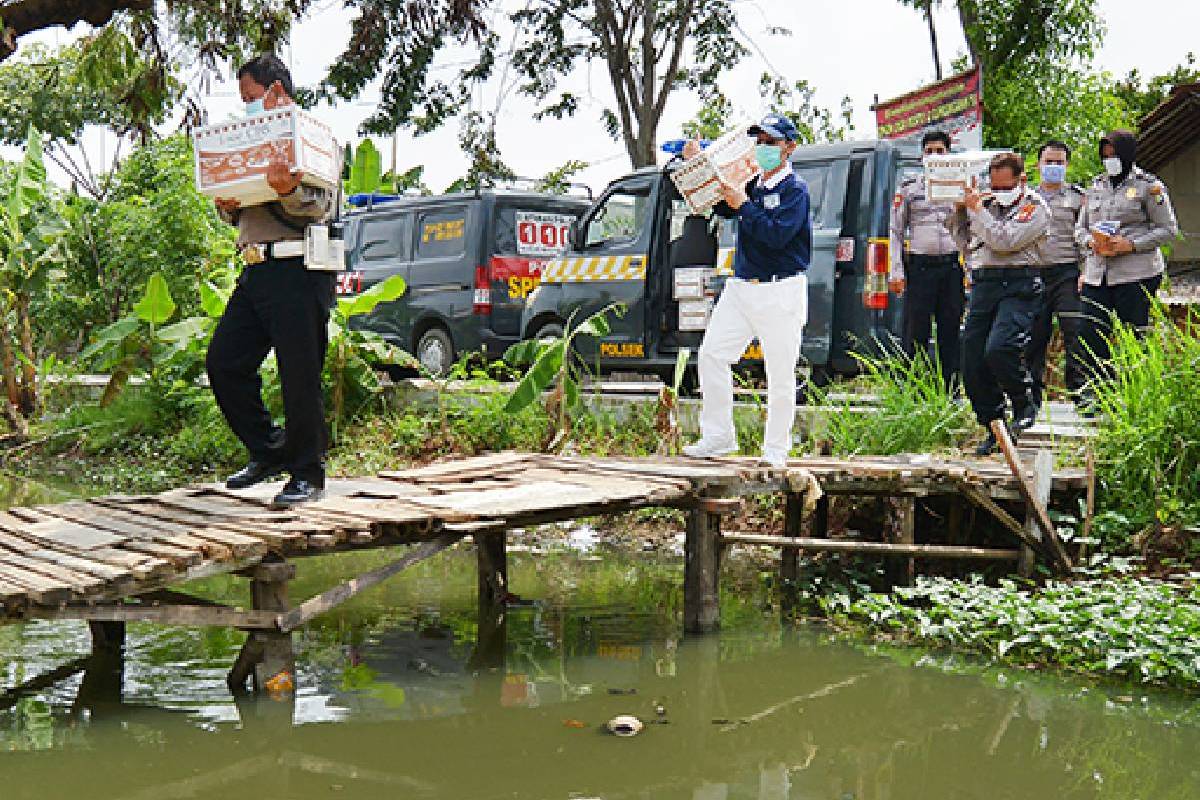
(898, 200)
(1026, 212)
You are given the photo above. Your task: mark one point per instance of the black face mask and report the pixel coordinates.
(1125, 145)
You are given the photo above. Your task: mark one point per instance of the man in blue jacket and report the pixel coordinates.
(766, 299)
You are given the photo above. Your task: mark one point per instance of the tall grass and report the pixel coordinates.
(1148, 438)
(915, 412)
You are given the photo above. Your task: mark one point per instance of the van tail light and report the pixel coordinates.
(875, 281)
(482, 304)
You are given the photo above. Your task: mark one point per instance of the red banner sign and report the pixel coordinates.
(954, 105)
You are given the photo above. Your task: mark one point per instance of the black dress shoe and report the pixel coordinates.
(297, 491)
(1025, 419)
(252, 473)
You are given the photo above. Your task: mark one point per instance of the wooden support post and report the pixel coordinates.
(954, 519)
(267, 656)
(820, 519)
(789, 559)
(104, 676)
(702, 573)
(904, 511)
(491, 556)
(1043, 479)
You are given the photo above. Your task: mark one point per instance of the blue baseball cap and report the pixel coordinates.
(776, 126)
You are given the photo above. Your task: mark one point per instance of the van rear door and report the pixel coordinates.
(527, 232)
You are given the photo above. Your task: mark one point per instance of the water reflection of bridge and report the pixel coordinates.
(115, 559)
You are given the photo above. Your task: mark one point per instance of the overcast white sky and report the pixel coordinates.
(859, 48)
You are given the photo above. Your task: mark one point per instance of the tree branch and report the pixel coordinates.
(660, 103)
(26, 16)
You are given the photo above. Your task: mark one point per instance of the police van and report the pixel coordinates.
(640, 246)
(469, 260)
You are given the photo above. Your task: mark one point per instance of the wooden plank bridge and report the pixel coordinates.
(111, 560)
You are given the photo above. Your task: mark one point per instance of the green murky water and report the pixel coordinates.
(401, 696)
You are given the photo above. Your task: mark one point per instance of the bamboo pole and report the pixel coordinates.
(881, 548)
(1028, 493)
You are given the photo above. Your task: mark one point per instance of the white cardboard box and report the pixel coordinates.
(232, 157)
(694, 314)
(946, 176)
(729, 159)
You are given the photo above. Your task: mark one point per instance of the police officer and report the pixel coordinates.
(1000, 234)
(767, 298)
(1060, 271)
(933, 278)
(277, 304)
(1121, 275)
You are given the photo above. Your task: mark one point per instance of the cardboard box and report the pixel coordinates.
(694, 314)
(947, 176)
(232, 157)
(729, 159)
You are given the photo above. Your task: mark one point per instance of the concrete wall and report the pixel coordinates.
(1182, 177)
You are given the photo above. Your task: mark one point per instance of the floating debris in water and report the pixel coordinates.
(624, 725)
(618, 691)
(574, 723)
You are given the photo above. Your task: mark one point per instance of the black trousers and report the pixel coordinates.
(1004, 302)
(1061, 299)
(934, 293)
(277, 304)
(1128, 302)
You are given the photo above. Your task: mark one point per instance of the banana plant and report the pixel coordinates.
(666, 416)
(551, 365)
(143, 342)
(31, 229)
(355, 356)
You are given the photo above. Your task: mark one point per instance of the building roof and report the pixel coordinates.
(1170, 128)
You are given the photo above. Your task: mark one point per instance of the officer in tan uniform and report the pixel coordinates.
(927, 272)
(279, 305)
(1000, 235)
(1124, 270)
(1060, 271)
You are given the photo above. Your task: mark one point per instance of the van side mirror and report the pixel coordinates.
(574, 234)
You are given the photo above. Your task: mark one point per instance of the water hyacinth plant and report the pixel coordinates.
(1143, 630)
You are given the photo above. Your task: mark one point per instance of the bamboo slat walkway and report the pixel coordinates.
(109, 548)
(112, 560)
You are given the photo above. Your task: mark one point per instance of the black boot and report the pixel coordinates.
(297, 491)
(1024, 418)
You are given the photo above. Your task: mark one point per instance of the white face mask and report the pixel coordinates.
(1113, 166)
(1007, 197)
(255, 107)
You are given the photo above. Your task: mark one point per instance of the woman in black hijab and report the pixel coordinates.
(1126, 218)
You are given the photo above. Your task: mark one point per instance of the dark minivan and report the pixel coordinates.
(640, 246)
(469, 260)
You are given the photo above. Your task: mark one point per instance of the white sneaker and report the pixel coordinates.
(707, 448)
(774, 460)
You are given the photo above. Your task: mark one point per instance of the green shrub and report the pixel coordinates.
(1148, 438)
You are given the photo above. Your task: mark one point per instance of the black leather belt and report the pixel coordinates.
(772, 279)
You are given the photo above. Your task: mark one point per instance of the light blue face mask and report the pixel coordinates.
(768, 156)
(255, 107)
(1053, 173)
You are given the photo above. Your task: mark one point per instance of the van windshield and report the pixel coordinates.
(620, 218)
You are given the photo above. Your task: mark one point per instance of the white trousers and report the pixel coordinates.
(775, 313)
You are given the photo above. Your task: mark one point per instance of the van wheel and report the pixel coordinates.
(549, 330)
(435, 351)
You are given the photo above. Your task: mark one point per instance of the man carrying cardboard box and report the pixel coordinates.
(767, 298)
(279, 305)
